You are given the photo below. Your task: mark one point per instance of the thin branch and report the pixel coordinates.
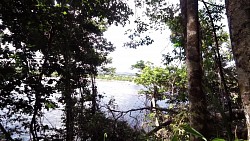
(143, 108)
(219, 63)
(212, 4)
(164, 124)
(33, 124)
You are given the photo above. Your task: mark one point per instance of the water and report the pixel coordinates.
(126, 97)
(125, 93)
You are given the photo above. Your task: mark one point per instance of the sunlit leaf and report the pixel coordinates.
(193, 132)
(218, 139)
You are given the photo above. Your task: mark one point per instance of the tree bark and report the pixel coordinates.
(68, 98)
(68, 91)
(238, 13)
(197, 99)
(183, 5)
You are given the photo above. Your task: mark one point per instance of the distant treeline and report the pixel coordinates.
(117, 77)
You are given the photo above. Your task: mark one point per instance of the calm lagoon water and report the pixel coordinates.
(126, 97)
(124, 93)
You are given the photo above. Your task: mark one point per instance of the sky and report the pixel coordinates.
(124, 57)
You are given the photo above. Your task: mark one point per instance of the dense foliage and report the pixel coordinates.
(40, 38)
(219, 81)
(51, 52)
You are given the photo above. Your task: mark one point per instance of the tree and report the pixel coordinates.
(165, 85)
(68, 35)
(213, 62)
(140, 65)
(238, 13)
(197, 99)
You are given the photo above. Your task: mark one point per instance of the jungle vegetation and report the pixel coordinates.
(205, 81)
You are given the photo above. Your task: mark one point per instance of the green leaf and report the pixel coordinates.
(64, 13)
(105, 136)
(192, 131)
(174, 138)
(218, 139)
(239, 140)
(50, 105)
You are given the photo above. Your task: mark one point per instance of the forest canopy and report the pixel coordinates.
(52, 51)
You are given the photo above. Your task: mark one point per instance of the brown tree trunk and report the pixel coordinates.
(68, 99)
(196, 96)
(183, 5)
(238, 13)
(69, 103)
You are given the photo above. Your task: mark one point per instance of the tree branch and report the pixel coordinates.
(219, 65)
(143, 108)
(212, 4)
(139, 109)
(164, 124)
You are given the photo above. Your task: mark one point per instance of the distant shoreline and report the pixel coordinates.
(116, 77)
(109, 77)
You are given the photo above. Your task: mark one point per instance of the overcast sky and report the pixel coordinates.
(124, 57)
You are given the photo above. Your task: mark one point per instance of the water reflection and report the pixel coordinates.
(126, 98)
(124, 93)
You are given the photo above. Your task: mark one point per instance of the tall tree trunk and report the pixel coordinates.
(68, 91)
(238, 13)
(69, 112)
(183, 5)
(68, 99)
(196, 96)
